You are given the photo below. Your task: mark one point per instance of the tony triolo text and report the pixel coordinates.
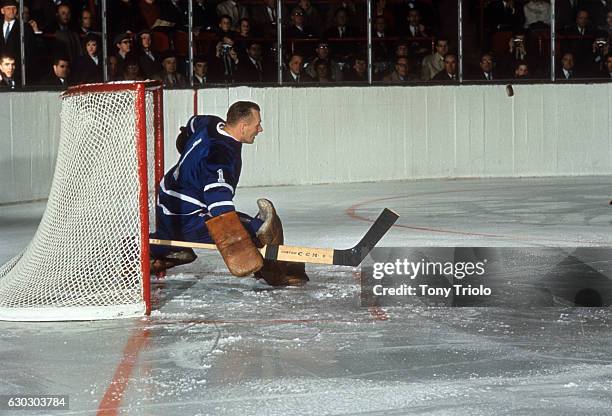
(426, 290)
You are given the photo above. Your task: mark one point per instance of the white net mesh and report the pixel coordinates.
(85, 260)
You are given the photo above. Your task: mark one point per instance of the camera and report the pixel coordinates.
(225, 48)
(517, 41)
(600, 42)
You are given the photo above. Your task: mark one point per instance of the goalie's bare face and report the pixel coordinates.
(251, 127)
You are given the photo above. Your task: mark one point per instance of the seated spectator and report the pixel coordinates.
(234, 9)
(297, 30)
(253, 67)
(169, 75)
(537, 14)
(485, 68)
(123, 43)
(224, 27)
(414, 27)
(418, 49)
(148, 60)
(520, 49)
(243, 37)
(312, 18)
(322, 52)
(607, 70)
(322, 70)
(113, 69)
(381, 10)
(295, 73)
(86, 24)
(402, 71)
(580, 44)
(359, 70)
(10, 39)
(434, 63)
(381, 50)
(606, 29)
(342, 28)
(426, 10)
(204, 16)
(131, 71)
(67, 42)
(200, 71)
(449, 73)
(355, 11)
(567, 67)
(224, 63)
(60, 73)
(88, 67)
(521, 71)
(7, 72)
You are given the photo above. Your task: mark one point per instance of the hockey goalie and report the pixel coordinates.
(195, 201)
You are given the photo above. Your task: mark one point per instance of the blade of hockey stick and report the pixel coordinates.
(349, 257)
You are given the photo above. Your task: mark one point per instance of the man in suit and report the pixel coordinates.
(402, 72)
(295, 73)
(148, 61)
(567, 67)
(7, 72)
(252, 68)
(10, 38)
(434, 63)
(59, 73)
(449, 73)
(342, 29)
(200, 71)
(582, 34)
(485, 70)
(67, 41)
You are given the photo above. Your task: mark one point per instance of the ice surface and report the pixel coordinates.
(219, 345)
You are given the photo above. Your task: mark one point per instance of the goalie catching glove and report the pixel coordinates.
(276, 273)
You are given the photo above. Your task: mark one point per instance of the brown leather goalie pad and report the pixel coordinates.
(235, 245)
(276, 273)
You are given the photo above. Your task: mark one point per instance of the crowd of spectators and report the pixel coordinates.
(323, 41)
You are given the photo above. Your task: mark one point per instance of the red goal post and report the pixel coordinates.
(89, 258)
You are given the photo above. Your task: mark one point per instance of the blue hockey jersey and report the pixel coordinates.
(204, 179)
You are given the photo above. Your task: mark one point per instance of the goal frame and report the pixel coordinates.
(150, 92)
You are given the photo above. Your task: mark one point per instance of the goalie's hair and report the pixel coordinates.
(240, 110)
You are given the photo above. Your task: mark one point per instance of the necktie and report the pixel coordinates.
(8, 30)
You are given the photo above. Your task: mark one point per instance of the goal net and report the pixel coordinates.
(89, 258)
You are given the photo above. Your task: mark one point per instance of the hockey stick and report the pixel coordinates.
(348, 257)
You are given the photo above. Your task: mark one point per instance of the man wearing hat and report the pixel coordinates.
(123, 42)
(169, 74)
(148, 61)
